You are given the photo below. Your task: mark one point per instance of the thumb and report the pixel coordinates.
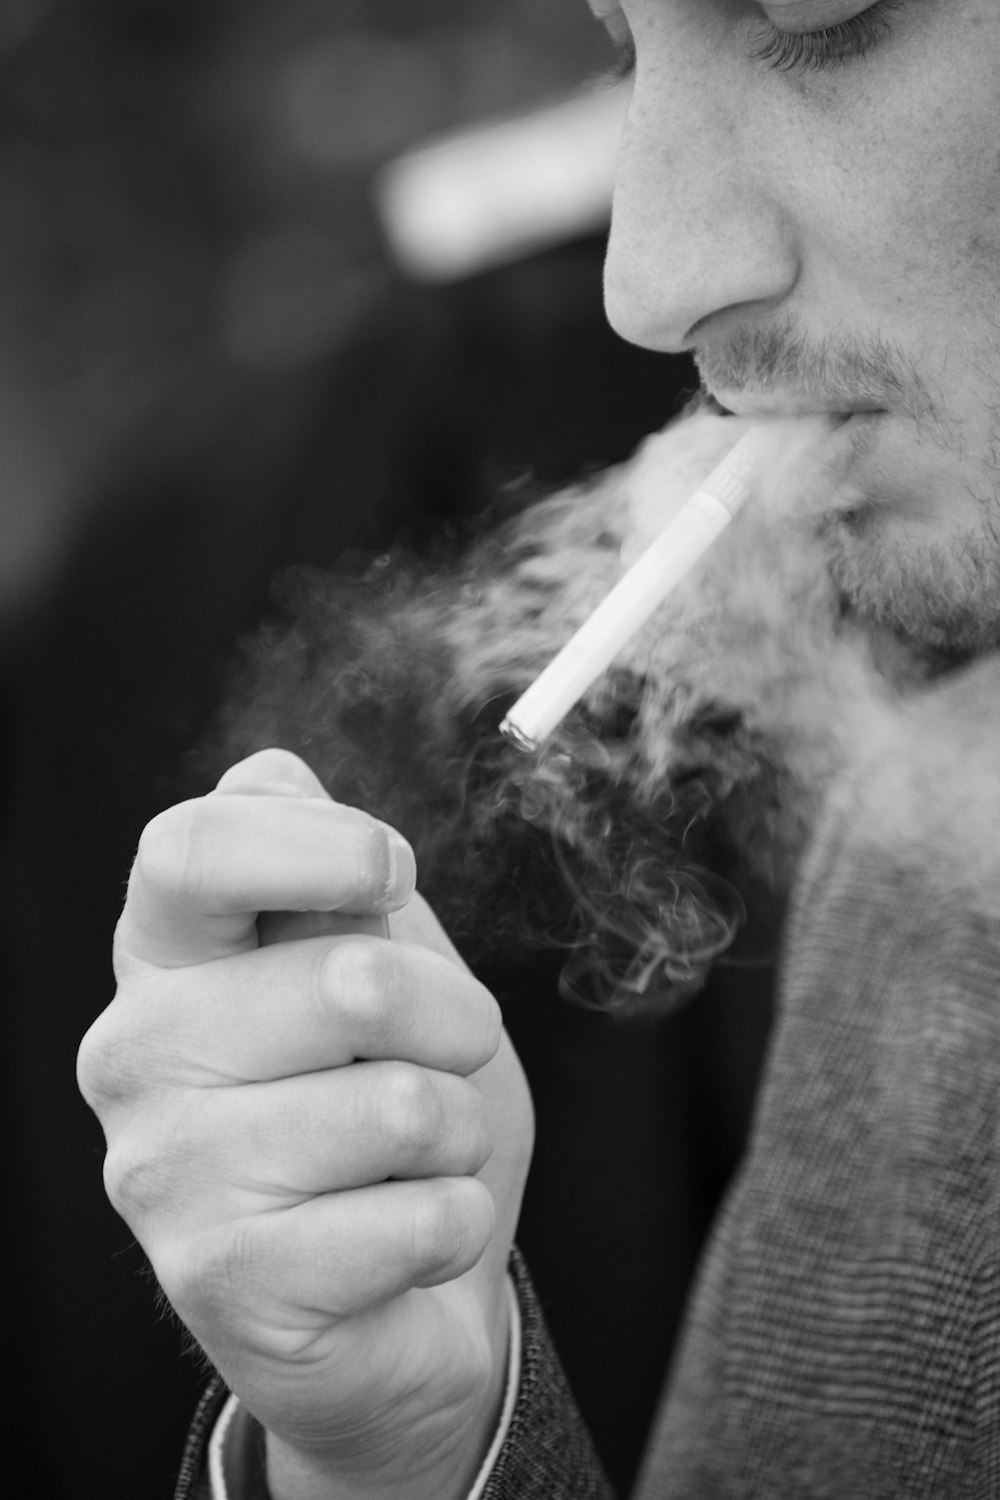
(271, 773)
(279, 773)
(268, 839)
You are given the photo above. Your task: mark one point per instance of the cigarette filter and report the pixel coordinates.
(636, 595)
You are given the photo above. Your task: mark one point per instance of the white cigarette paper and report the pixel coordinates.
(640, 591)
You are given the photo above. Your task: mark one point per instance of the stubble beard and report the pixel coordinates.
(939, 596)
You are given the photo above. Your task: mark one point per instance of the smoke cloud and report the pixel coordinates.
(661, 826)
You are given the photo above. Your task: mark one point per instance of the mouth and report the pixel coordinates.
(788, 408)
(839, 456)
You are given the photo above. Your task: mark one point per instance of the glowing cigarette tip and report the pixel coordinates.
(640, 591)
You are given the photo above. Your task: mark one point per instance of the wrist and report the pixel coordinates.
(440, 1455)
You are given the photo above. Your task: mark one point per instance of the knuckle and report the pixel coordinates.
(208, 1275)
(167, 859)
(479, 1129)
(439, 1229)
(113, 1063)
(492, 1024)
(451, 1225)
(134, 1180)
(96, 1078)
(123, 961)
(477, 1036)
(275, 763)
(411, 1114)
(156, 1164)
(118, 1173)
(357, 988)
(117, 1064)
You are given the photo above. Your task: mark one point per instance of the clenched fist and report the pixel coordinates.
(318, 1133)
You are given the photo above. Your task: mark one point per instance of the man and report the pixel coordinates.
(808, 200)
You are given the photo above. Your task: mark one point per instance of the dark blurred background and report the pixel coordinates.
(212, 367)
(184, 200)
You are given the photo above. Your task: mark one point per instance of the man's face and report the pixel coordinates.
(808, 200)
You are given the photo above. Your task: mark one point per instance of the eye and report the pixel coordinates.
(828, 46)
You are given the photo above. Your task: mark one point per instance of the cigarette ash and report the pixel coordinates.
(660, 827)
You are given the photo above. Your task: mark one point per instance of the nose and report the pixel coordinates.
(700, 240)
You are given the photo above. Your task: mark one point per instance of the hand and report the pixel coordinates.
(321, 1143)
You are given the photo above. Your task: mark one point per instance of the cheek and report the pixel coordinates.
(912, 214)
(954, 215)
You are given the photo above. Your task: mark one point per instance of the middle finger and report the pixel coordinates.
(280, 1142)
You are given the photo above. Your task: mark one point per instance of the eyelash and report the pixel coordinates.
(787, 51)
(813, 50)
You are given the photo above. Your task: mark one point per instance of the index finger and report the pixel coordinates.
(206, 868)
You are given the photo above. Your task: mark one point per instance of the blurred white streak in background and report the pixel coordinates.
(474, 199)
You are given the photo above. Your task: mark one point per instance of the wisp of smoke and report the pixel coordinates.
(660, 827)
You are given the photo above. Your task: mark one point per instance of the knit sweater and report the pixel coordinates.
(844, 1339)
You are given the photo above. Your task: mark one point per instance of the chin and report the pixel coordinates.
(940, 594)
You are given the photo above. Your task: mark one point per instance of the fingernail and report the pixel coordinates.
(402, 865)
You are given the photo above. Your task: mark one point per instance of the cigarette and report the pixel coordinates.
(640, 591)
